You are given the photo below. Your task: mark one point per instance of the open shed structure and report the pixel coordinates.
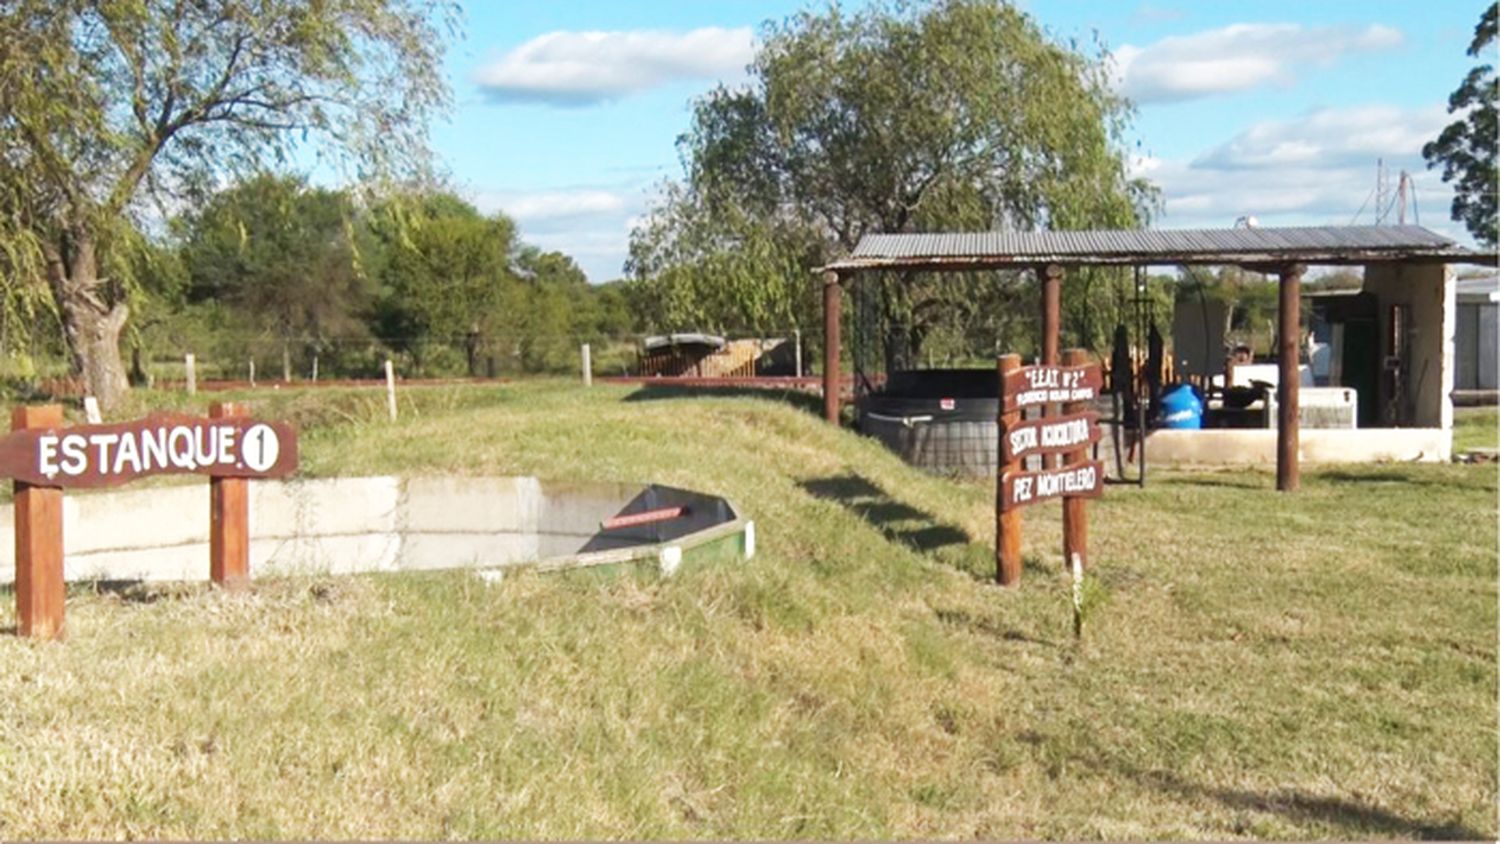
(1406, 268)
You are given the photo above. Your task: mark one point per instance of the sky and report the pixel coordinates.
(566, 112)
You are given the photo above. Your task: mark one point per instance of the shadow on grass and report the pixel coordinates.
(900, 522)
(1381, 474)
(807, 402)
(139, 591)
(1353, 819)
(987, 627)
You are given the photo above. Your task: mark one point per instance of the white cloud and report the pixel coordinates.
(582, 68)
(590, 223)
(1238, 58)
(1328, 137)
(1149, 13)
(554, 205)
(1315, 169)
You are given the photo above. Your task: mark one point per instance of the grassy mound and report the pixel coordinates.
(1322, 665)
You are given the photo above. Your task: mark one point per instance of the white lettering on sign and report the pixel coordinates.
(1064, 434)
(1055, 395)
(261, 448)
(1040, 486)
(185, 447)
(1022, 440)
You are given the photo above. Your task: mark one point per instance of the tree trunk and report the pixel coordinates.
(90, 324)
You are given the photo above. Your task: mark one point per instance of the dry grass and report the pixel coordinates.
(1314, 666)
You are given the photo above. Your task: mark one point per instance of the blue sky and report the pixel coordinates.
(567, 112)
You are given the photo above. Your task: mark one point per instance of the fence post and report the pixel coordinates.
(252, 372)
(40, 593)
(191, 365)
(286, 364)
(390, 388)
(229, 519)
(315, 368)
(797, 333)
(588, 367)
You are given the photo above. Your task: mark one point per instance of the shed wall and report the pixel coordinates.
(1429, 291)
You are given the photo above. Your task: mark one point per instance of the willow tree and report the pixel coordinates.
(904, 117)
(107, 104)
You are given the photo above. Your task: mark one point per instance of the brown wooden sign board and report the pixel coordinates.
(1052, 435)
(1031, 386)
(164, 444)
(1076, 480)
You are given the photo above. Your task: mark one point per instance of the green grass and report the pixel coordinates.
(1312, 666)
(1475, 427)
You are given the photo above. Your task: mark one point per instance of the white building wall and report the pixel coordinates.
(1429, 290)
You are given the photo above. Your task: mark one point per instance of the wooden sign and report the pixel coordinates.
(1074, 385)
(1076, 480)
(1052, 435)
(110, 455)
(1031, 386)
(44, 457)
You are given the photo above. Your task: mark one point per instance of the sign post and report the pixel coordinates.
(1075, 510)
(1007, 519)
(229, 518)
(43, 458)
(38, 525)
(1075, 385)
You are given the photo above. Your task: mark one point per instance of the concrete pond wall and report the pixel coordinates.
(350, 525)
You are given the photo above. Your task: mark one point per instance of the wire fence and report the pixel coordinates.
(163, 360)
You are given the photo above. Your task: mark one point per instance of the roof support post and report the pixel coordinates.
(1051, 282)
(1289, 375)
(832, 314)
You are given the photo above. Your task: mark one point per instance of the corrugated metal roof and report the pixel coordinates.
(1336, 244)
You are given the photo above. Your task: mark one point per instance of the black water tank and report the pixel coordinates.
(941, 420)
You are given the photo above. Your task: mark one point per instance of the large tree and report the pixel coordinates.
(444, 273)
(1466, 148)
(281, 255)
(106, 102)
(952, 114)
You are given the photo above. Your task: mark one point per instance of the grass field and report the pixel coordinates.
(1475, 427)
(1309, 666)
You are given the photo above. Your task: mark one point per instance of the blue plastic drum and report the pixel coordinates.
(1181, 408)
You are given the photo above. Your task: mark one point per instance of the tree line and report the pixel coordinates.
(929, 115)
(277, 268)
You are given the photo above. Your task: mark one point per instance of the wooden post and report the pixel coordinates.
(390, 388)
(229, 519)
(1051, 279)
(588, 366)
(286, 364)
(797, 333)
(1289, 383)
(1007, 520)
(315, 368)
(252, 372)
(1075, 510)
(191, 367)
(832, 314)
(40, 592)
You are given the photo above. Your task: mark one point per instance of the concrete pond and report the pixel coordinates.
(384, 524)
